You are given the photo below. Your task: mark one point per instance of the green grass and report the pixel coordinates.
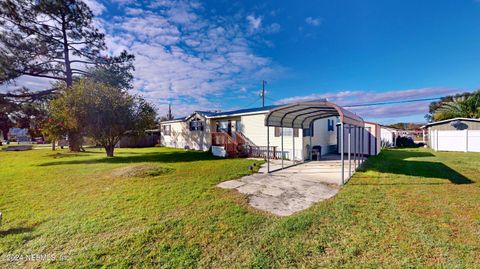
(407, 208)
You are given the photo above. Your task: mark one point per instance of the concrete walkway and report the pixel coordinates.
(293, 189)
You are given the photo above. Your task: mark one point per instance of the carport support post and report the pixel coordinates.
(268, 149)
(363, 144)
(293, 145)
(358, 147)
(282, 148)
(360, 143)
(349, 151)
(342, 157)
(355, 154)
(354, 148)
(310, 137)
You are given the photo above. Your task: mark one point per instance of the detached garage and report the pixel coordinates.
(458, 134)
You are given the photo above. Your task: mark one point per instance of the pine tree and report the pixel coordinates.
(53, 39)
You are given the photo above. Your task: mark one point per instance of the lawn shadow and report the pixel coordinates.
(16, 230)
(396, 162)
(165, 157)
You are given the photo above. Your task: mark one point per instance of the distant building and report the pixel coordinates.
(457, 134)
(389, 136)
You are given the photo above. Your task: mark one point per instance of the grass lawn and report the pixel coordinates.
(407, 208)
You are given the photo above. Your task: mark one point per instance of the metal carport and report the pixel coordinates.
(303, 114)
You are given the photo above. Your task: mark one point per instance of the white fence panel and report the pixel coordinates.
(474, 140)
(451, 141)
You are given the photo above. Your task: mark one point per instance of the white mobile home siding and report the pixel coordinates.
(253, 127)
(182, 137)
(322, 137)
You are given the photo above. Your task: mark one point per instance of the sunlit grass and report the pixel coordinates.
(407, 208)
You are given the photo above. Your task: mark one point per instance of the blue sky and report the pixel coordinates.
(212, 55)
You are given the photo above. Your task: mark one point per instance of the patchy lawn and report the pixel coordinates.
(159, 207)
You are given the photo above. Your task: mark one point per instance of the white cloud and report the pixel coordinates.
(273, 28)
(32, 83)
(96, 7)
(133, 11)
(254, 22)
(123, 2)
(185, 58)
(313, 21)
(182, 56)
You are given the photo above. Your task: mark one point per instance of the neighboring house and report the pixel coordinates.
(458, 134)
(388, 136)
(373, 138)
(244, 132)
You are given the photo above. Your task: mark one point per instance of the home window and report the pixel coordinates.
(167, 130)
(222, 126)
(331, 125)
(196, 125)
(286, 131)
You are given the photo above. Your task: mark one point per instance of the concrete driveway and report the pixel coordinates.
(293, 189)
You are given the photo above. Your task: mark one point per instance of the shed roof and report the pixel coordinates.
(302, 114)
(449, 120)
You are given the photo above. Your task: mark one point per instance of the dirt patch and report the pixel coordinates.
(143, 170)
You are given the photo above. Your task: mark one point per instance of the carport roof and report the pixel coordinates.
(302, 114)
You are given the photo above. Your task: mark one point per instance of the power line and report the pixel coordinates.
(394, 102)
(271, 99)
(256, 100)
(376, 104)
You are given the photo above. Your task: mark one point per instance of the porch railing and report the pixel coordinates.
(225, 140)
(262, 152)
(241, 146)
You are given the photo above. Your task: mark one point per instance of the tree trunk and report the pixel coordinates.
(5, 133)
(109, 149)
(53, 145)
(74, 138)
(74, 141)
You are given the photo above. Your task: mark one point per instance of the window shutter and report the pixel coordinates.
(305, 132)
(277, 131)
(331, 125)
(295, 132)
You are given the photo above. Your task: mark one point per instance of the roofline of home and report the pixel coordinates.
(218, 116)
(444, 121)
(173, 121)
(238, 114)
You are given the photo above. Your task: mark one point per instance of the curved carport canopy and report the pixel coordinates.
(303, 114)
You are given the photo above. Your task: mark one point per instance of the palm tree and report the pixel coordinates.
(460, 107)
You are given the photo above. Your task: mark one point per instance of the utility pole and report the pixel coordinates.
(170, 117)
(263, 93)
